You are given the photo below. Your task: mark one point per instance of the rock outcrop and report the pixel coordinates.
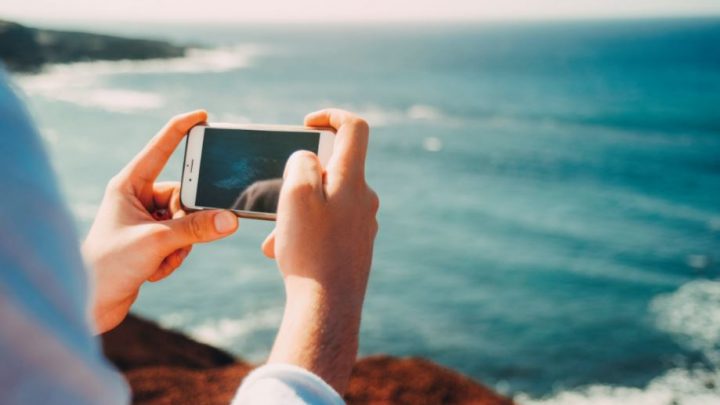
(167, 367)
(24, 48)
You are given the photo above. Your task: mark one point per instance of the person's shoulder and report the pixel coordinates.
(24, 158)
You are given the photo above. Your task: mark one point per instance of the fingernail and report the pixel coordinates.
(225, 222)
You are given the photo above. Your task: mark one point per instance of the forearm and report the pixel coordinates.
(319, 331)
(323, 242)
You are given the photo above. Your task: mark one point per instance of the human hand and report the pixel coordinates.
(140, 232)
(323, 243)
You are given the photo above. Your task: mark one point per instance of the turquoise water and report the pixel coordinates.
(550, 192)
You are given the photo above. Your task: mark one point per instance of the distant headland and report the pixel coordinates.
(27, 49)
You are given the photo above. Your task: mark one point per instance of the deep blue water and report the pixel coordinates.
(546, 189)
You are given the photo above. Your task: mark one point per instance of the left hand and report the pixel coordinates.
(140, 232)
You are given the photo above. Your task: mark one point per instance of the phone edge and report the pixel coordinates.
(265, 216)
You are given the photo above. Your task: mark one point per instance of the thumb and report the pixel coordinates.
(302, 184)
(202, 226)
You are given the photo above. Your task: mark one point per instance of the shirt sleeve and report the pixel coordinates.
(285, 384)
(48, 354)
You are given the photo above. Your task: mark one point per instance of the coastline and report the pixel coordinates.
(164, 366)
(90, 88)
(29, 49)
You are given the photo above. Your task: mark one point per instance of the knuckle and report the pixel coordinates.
(359, 124)
(303, 155)
(175, 120)
(195, 227)
(351, 187)
(374, 201)
(300, 160)
(114, 184)
(300, 189)
(175, 261)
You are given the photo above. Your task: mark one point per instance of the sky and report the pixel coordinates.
(345, 10)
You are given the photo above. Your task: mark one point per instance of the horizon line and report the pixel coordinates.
(364, 21)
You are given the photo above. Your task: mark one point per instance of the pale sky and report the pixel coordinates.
(345, 10)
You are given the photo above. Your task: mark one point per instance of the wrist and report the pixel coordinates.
(338, 298)
(336, 314)
(319, 331)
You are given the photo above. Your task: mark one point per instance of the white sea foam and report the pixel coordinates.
(424, 112)
(692, 315)
(224, 331)
(174, 320)
(432, 144)
(116, 100)
(83, 83)
(195, 61)
(379, 116)
(714, 224)
(676, 387)
(698, 262)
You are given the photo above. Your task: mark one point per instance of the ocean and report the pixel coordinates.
(550, 191)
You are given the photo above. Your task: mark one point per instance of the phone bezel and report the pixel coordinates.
(192, 160)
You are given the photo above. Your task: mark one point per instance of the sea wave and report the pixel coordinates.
(83, 83)
(692, 315)
(378, 116)
(381, 116)
(675, 387)
(196, 60)
(225, 331)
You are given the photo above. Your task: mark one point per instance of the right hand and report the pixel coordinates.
(323, 243)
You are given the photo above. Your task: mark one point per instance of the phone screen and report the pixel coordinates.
(242, 169)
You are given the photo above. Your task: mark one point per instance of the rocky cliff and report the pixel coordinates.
(24, 48)
(166, 367)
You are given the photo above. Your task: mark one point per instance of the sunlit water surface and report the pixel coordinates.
(550, 193)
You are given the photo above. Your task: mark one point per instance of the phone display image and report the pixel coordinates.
(241, 168)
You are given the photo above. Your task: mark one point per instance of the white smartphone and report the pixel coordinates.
(240, 167)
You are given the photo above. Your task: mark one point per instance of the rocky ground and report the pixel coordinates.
(166, 367)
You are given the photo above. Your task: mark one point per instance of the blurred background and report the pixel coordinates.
(549, 172)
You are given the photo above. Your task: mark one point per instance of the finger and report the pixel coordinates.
(177, 214)
(302, 181)
(202, 226)
(166, 268)
(351, 141)
(162, 206)
(163, 193)
(175, 206)
(148, 164)
(167, 195)
(268, 245)
(161, 214)
(169, 265)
